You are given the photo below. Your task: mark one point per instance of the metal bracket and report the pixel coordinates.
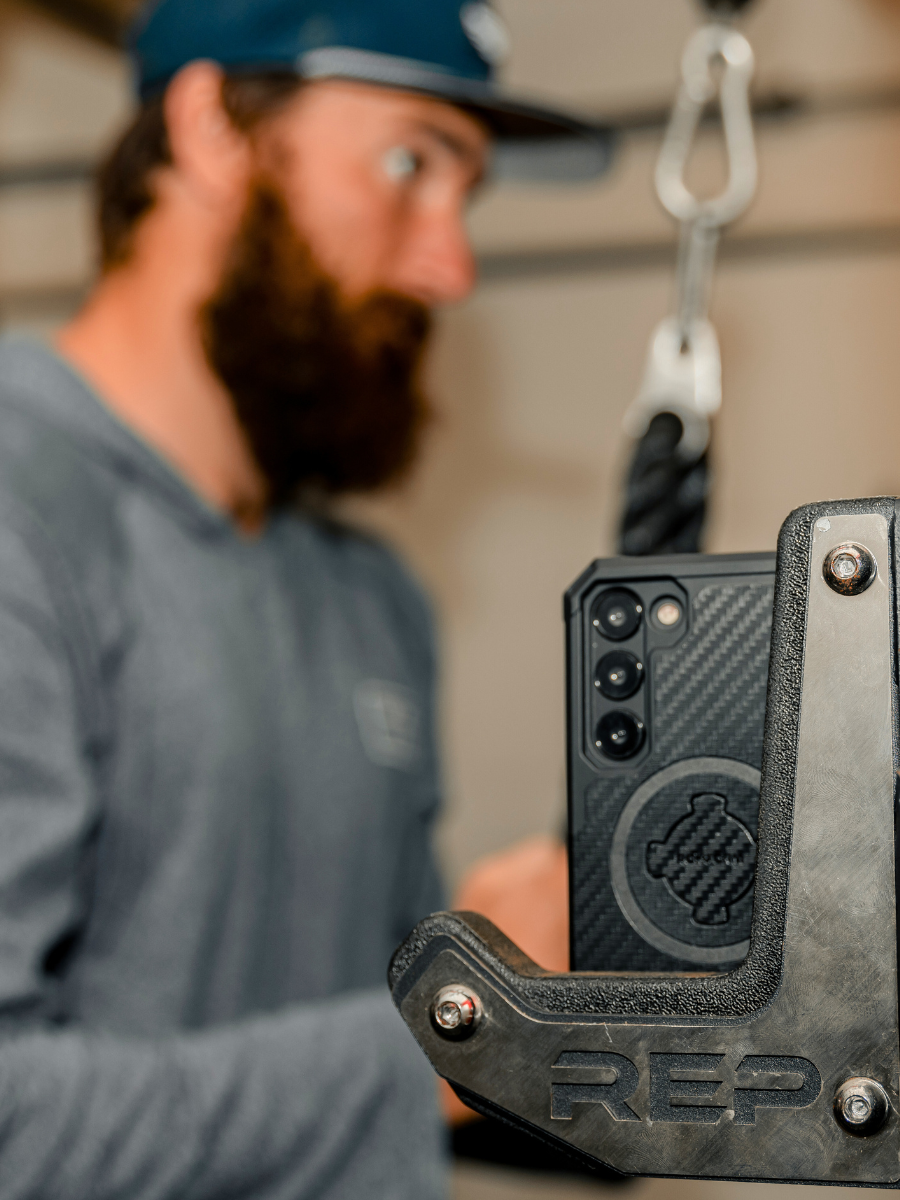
(786, 1068)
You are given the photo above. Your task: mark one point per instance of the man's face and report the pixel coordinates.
(353, 229)
(377, 182)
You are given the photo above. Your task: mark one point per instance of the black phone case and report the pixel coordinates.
(662, 844)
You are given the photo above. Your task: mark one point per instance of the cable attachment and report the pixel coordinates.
(683, 376)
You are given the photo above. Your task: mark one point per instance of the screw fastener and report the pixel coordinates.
(861, 1106)
(456, 1012)
(849, 569)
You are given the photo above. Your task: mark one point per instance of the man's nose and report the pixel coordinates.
(441, 266)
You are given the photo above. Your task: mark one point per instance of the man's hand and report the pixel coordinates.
(525, 892)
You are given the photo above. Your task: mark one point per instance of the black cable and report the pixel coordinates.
(725, 7)
(665, 497)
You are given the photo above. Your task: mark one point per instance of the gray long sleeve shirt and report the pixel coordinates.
(217, 786)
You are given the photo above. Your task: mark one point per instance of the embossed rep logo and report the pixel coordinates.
(677, 1094)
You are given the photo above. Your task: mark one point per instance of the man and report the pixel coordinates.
(217, 767)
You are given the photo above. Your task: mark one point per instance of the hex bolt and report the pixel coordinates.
(861, 1106)
(849, 568)
(456, 1012)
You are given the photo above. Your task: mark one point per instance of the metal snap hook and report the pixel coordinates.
(712, 43)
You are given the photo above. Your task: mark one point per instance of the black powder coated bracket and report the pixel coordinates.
(786, 1068)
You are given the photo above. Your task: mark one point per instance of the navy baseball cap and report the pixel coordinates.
(442, 48)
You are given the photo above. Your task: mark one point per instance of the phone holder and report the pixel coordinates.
(787, 1067)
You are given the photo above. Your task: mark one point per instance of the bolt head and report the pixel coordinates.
(861, 1106)
(455, 1012)
(849, 568)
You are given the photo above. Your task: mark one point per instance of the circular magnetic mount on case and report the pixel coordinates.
(618, 675)
(617, 614)
(620, 734)
(683, 859)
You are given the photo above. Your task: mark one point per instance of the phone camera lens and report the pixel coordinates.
(619, 675)
(617, 614)
(620, 734)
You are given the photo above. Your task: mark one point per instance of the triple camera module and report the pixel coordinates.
(617, 616)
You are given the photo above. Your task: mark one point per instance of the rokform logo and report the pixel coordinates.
(729, 860)
(708, 859)
(675, 1098)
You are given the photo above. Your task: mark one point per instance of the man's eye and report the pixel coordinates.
(400, 163)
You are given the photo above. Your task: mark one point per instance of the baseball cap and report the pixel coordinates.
(448, 49)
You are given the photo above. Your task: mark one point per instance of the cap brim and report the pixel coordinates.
(534, 142)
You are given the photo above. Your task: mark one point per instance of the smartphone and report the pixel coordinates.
(667, 665)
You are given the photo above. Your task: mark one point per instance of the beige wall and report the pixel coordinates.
(61, 99)
(519, 487)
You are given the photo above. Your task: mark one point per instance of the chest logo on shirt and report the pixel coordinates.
(389, 723)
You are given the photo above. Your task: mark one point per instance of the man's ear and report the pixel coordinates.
(211, 159)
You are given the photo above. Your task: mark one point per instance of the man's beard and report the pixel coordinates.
(327, 391)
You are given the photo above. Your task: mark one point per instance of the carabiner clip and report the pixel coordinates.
(712, 42)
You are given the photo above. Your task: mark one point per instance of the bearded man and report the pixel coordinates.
(217, 764)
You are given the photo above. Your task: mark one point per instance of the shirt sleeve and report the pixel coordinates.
(329, 1100)
(332, 1101)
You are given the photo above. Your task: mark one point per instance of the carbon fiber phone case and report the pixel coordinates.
(662, 844)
